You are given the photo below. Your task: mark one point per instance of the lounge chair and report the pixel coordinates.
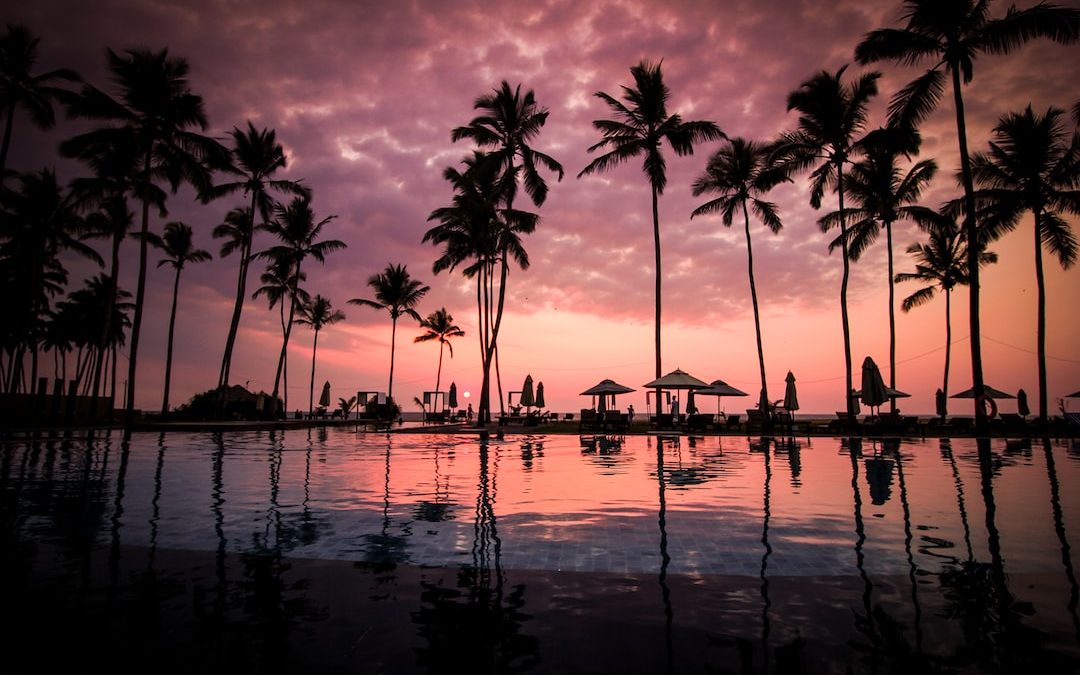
(757, 420)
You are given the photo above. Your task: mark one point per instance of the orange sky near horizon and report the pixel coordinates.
(364, 100)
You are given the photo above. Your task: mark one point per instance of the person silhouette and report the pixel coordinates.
(468, 413)
(630, 413)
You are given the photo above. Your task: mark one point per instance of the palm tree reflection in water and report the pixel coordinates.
(1059, 528)
(665, 559)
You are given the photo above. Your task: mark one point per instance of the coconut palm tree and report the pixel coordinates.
(282, 286)
(157, 112)
(294, 225)
(256, 156)
(504, 130)
(951, 34)
(941, 264)
(1033, 164)
(396, 292)
(832, 115)
(740, 172)
(439, 325)
(179, 247)
(883, 193)
(20, 89)
(317, 313)
(39, 222)
(639, 128)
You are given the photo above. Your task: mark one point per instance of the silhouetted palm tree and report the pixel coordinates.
(884, 194)
(641, 124)
(743, 171)
(157, 111)
(294, 225)
(281, 286)
(180, 250)
(941, 263)
(1033, 165)
(439, 326)
(317, 313)
(39, 222)
(20, 89)
(832, 116)
(508, 123)
(82, 314)
(951, 34)
(396, 292)
(257, 155)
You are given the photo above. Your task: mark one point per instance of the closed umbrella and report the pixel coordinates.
(324, 399)
(453, 395)
(1022, 403)
(791, 398)
(527, 399)
(874, 392)
(540, 403)
(940, 403)
(855, 407)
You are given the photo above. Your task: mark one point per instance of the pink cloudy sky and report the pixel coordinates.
(363, 96)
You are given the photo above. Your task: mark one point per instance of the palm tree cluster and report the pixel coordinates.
(148, 140)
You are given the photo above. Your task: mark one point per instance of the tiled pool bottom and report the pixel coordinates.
(339, 552)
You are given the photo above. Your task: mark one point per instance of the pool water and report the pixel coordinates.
(327, 550)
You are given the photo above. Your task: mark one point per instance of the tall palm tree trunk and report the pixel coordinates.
(1041, 322)
(393, 344)
(892, 317)
(948, 348)
(281, 357)
(656, 245)
(241, 286)
(169, 347)
(753, 299)
(140, 299)
(438, 373)
(974, 252)
(843, 291)
(8, 123)
(311, 389)
(110, 306)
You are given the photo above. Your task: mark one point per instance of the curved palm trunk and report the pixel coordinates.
(438, 373)
(140, 300)
(284, 351)
(1041, 324)
(974, 252)
(948, 347)
(892, 317)
(843, 291)
(110, 305)
(169, 348)
(241, 289)
(753, 299)
(311, 389)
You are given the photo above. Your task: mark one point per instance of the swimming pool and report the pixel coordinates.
(325, 550)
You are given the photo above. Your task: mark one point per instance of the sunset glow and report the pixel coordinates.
(363, 96)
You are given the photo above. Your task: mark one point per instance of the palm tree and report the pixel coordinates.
(508, 123)
(281, 286)
(743, 171)
(179, 248)
(38, 223)
(257, 156)
(156, 112)
(951, 34)
(84, 311)
(831, 116)
(19, 89)
(317, 313)
(940, 263)
(1033, 165)
(884, 193)
(294, 225)
(639, 127)
(396, 292)
(439, 326)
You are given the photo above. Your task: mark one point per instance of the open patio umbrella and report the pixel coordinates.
(605, 388)
(324, 398)
(528, 399)
(874, 392)
(988, 390)
(540, 403)
(719, 388)
(791, 398)
(1075, 394)
(676, 379)
(452, 402)
(1022, 407)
